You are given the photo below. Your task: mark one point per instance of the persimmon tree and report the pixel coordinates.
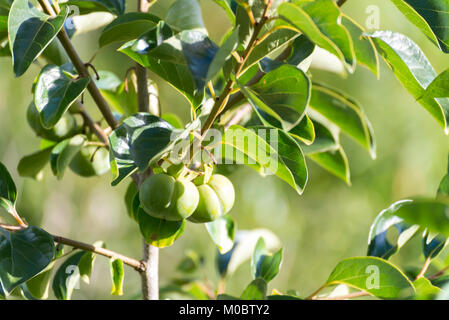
(253, 101)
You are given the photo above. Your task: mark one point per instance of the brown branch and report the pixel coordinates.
(438, 274)
(346, 296)
(81, 67)
(93, 126)
(136, 264)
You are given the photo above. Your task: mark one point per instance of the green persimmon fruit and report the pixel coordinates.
(216, 199)
(90, 161)
(164, 197)
(63, 129)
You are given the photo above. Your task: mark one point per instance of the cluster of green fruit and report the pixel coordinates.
(89, 161)
(176, 197)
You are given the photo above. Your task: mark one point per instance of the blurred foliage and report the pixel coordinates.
(329, 222)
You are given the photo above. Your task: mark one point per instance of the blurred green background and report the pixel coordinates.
(329, 222)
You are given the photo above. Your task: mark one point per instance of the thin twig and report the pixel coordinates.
(346, 296)
(424, 268)
(238, 116)
(438, 274)
(93, 126)
(136, 264)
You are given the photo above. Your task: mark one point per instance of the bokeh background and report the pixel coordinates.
(329, 222)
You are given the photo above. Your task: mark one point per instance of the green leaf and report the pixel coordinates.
(157, 232)
(304, 131)
(256, 290)
(185, 15)
(131, 193)
(346, 113)
(425, 290)
(285, 159)
(376, 276)
(116, 7)
(55, 92)
(226, 5)
(320, 21)
(433, 244)
(364, 48)
(222, 233)
(67, 277)
(63, 153)
(438, 88)
(117, 275)
(190, 263)
(173, 119)
(17, 249)
(286, 92)
(325, 139)
(413, 70)
(38, 287)
(86, 263)
(177, 75)
(334, 161)
(127, 27)
(427, 213)
(378, 243)
(123, 101)
(263, 264)
(430, 16)
(136, 142)
(8, 190)
(30, 32)
(32, 165)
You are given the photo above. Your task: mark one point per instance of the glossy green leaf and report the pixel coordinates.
(130, 196)
(32, 165)
(325, 140)
(67, 277)
(304, 131)
(8, 190)
(376, 276)
(117, 276)
(425, 290)
(433, 244)
(116, 7)
(378, 242)
(38, 287)
(413, 70)
(20, 247)
(157, 232)
(334, 161)
(364, 48)
(256, 290)
(55, 92)
(346, 113)
(222, 233)
(173, 119)
(430, 16)
(284, 157)
(127, 27)
(185, 15)
(286, 92)
(427, 213)
(63, 153)
(136, 142)
(30, 32)
(122, 100)
(439, 87)
(264, 264)
(320, 21)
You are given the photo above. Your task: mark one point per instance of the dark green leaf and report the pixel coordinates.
(87, 261)
(433, 244)
(222, 233)
(413, 70)
(116, 7)
(256, 290)
(430, 16)
(38, 286)
(32, 165)
(378, 243)
(376, 276)
(346, 113)
(8, 190)
(55, 92)
(67, 277)
(24, 254)
(63, 153)
(157, 232)
(264, 264)
(30, 32)
(127, 27)
(117, 275)
(130, 196)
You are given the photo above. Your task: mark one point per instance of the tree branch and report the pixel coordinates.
(93, 126)
(81, 67)
(136, 264)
